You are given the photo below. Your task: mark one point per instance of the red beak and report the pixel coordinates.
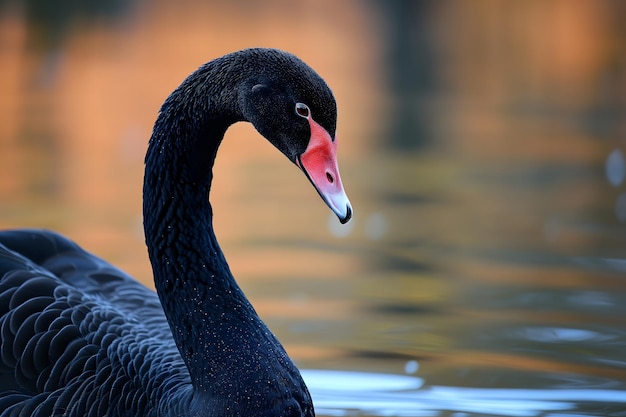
(319, 163)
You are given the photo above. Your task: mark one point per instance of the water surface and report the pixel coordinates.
(483, 274)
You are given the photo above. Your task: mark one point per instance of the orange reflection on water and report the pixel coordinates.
(76, 118)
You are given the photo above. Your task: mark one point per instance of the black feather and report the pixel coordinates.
(81, 338)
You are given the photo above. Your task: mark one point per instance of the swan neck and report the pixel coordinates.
(191, 276)
(232, 357)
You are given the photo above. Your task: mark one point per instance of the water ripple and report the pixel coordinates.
(339, 393)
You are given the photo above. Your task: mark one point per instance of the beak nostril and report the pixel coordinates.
(330, 178)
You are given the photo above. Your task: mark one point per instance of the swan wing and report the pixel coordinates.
(78, 336)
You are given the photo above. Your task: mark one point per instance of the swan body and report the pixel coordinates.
(79, 337)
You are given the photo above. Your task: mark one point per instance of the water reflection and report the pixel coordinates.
(559, 335)
(615, 168)
(368, 394)
(492, 258)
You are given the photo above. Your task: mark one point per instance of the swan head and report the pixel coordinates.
(292, 107)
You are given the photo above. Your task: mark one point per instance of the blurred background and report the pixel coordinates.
(481, 144)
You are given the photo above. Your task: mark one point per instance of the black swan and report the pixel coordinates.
(81, 338)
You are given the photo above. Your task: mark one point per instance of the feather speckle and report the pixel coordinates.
(80, 338)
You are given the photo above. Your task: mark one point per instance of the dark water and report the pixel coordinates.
(483, 274)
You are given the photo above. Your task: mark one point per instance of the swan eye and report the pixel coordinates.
(302, 110)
